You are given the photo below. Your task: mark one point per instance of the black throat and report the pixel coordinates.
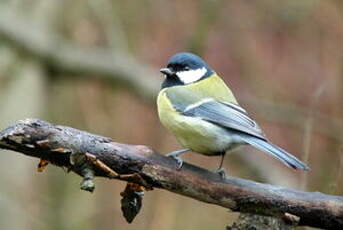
(171, 81)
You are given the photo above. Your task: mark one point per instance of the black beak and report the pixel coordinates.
(167, 71)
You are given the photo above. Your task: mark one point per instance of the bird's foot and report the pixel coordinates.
(221, 172)
(175, 156)
(179, 161)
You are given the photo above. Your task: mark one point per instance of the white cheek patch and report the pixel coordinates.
(190, 76)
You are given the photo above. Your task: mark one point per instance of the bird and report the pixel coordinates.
(200, 110)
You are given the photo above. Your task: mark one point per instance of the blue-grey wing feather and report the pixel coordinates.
(227, 115)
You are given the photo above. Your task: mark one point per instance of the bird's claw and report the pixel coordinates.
(179, 161)
(221, 172)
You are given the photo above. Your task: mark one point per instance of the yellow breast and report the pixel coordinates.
(193, 133)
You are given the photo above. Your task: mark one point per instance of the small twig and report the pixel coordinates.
(134, 177)
(109, 172)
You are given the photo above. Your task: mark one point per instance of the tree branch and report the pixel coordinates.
(248, 221)
(66, 57)
(90, 155)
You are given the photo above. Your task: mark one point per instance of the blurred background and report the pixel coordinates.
(94, 65)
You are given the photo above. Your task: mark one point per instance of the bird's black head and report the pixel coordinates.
(185, 68)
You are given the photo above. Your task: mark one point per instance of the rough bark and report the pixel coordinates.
(247, 221)
(90, 155)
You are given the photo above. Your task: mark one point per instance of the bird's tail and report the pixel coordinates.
(276, 152)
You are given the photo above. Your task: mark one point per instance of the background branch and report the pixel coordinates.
(62, 56)
(140, 164)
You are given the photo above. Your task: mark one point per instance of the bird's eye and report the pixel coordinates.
(171, 67)
(186, 68)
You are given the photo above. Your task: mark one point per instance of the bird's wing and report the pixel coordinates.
(225, 114)
(230, 116)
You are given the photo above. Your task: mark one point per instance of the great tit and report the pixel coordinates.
(197, 107)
